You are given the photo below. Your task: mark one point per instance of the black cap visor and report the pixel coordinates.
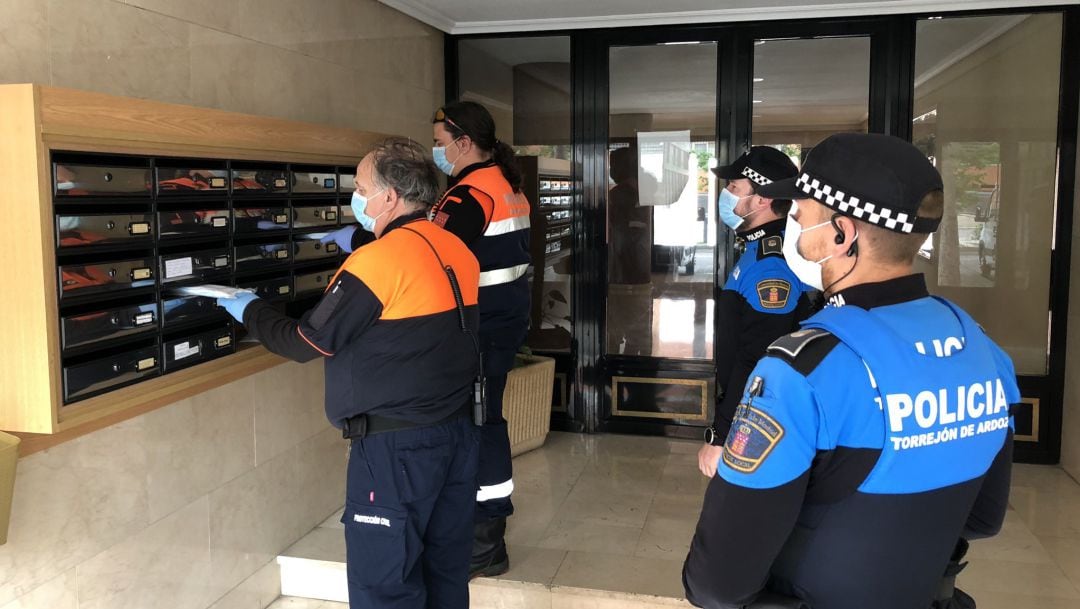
(729, 172)
(782, 189)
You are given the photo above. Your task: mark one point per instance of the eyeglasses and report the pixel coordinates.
(440, 116)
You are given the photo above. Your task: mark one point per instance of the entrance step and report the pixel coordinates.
(314, 569)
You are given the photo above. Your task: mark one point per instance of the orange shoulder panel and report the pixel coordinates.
(505, 202)
(403, 273)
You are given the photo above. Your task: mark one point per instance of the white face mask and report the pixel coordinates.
(807, 271)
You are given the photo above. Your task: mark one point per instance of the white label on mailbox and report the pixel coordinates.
(224, 341)
(283, 289)
(331, 248)
(143, 364)
(140, 228)
(281, 254)
(280, 183)
(217, 182)
(185, 349)
(144, 318)
(219, 221)
(178, 267)
(221, 261)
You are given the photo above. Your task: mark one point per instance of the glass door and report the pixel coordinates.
(660, 232)
(675, 110)
(997, 150)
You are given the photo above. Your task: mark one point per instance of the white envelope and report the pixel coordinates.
(210, 290)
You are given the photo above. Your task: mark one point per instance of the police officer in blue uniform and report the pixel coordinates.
(762, 299)
(872, 443)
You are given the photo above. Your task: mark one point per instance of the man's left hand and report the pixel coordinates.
(707, 458)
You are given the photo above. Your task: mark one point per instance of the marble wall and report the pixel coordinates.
(353, 63)
(187, 506)
(182, 508)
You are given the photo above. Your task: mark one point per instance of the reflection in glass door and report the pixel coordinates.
(997, 150)
(660, 233)
(806, 89)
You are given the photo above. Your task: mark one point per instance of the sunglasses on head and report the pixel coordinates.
(440, 116)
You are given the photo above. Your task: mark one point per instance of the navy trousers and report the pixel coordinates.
(408, 517)
(496, 471)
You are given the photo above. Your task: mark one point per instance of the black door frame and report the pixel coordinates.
(891, 104)
(735, 44)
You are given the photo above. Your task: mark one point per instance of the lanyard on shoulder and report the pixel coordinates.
(479, 399)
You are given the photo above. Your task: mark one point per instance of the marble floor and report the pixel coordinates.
(616, 513)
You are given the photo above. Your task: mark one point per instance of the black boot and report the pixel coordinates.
(489, 556)
(949, 596)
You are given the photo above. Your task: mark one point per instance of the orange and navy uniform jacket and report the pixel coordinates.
(389, 327)
(484, 211)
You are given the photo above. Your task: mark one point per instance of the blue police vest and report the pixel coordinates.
(891, 424)
(766, 283)
(945, 404)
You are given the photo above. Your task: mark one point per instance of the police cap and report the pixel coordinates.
(875, 178)
(762, 165)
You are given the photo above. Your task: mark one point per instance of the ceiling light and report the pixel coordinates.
(758, 43)
(757, 101)
(756, 79)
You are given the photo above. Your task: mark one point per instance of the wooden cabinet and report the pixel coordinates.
(107, 202)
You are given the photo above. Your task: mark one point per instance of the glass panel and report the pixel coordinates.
(525, 84)
(986, 113)
(660, 233)
(808, 89)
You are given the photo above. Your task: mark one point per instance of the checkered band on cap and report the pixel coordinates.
(853, 206)
(755, 177)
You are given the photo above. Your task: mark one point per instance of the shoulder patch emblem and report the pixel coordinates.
(773, 293)
(440, 218)
(771, 246)
(752, 438)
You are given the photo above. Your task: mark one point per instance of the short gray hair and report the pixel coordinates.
(403, 165)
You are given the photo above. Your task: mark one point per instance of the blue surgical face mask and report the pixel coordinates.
(359, 207)
(438, 154)
(728, 202)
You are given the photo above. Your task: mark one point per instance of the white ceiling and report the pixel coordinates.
(488, 16)
(822, 81)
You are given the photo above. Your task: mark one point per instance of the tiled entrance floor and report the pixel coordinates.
(607, 514)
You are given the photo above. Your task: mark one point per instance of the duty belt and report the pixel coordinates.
(363, 425)
(500, 276)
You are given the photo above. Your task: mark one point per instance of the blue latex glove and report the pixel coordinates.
(235, 306)
(342, 236)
